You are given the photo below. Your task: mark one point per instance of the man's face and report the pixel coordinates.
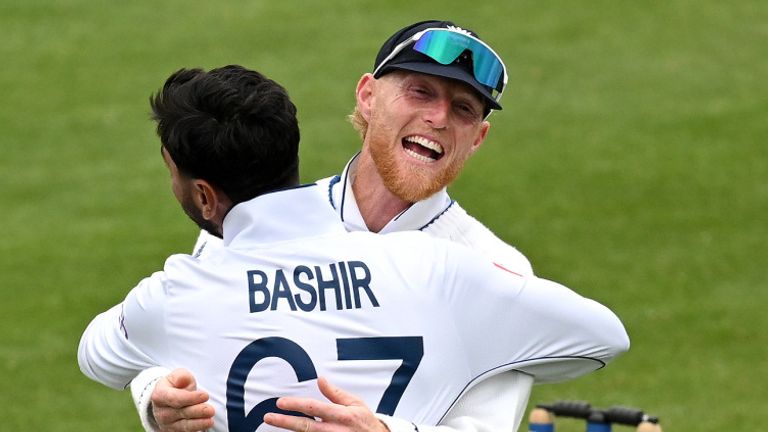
(182, 187)
(421, 130)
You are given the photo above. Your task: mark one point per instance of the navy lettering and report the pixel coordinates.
(297, 272)
(282, 290)
(260, 287)
(347, 294)
(306, 288)
(361, 282)
(332, 284)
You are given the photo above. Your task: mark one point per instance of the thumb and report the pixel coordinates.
(336, 394)
(182, 379)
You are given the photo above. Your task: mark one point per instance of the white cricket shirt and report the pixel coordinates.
(438, 215)
(406, 322)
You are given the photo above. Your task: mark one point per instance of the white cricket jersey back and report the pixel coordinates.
(378, 316)
(404, 321)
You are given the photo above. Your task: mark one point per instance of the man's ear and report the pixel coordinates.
(364, 95)
(484, 128)
(208, 199)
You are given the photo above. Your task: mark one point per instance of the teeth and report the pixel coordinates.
(415, 155)
(426, 143)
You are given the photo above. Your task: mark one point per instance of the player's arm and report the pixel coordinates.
(179, 405)
(111, 350)
(169, 401)
(596, 332)
(495, 404)
(577, 335)
(170, 404)
(456, 225)
(531, 324)
(346, 413)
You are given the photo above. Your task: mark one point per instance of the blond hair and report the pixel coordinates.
(358, 122)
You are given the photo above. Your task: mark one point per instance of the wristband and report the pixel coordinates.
(141, 391)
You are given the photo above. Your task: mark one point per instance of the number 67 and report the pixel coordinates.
(409, 349)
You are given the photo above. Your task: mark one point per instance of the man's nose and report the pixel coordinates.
(437, 114)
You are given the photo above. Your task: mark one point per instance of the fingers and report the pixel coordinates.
(166, 394)
(178, 407)
(189, 418)
(345, 412)
(182, 379)
(294, 423)
(310, 407)
(187, 425)
(330, 417)
(336, 394)
(168, 415)
(337, 410)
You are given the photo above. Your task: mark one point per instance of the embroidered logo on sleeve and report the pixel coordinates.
(122, 323)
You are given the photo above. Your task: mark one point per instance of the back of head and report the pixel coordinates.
(232, 127)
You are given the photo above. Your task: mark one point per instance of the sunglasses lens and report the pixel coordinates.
(488, 69)
(445, 47)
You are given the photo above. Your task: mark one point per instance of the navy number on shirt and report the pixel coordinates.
(408, 349)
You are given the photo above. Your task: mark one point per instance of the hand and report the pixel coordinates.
(345, 413)
(178, 406)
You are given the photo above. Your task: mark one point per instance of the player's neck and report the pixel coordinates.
(376, 203)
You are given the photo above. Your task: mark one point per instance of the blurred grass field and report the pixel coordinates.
(630, 163)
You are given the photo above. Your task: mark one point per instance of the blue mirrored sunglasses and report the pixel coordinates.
(446, 45)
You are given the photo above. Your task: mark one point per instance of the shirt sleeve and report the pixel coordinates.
(496, 404)
(142, 388)
(110, 349)
(530, 324)
(456, 225)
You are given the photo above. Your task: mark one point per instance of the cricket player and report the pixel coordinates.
(441, 74)
(406, 322)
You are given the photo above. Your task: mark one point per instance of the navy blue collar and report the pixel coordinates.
(415, 217)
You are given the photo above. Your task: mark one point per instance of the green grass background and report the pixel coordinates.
(630, 163)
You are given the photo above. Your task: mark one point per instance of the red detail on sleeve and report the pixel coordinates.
(507, 270)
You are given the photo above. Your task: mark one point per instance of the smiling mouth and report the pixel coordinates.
(422, 149)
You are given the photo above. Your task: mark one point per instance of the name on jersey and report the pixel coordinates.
(342, 285)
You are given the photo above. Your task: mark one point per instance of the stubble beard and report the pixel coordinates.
(194, 214)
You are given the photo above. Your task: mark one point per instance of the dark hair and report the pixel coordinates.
(232, 127)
